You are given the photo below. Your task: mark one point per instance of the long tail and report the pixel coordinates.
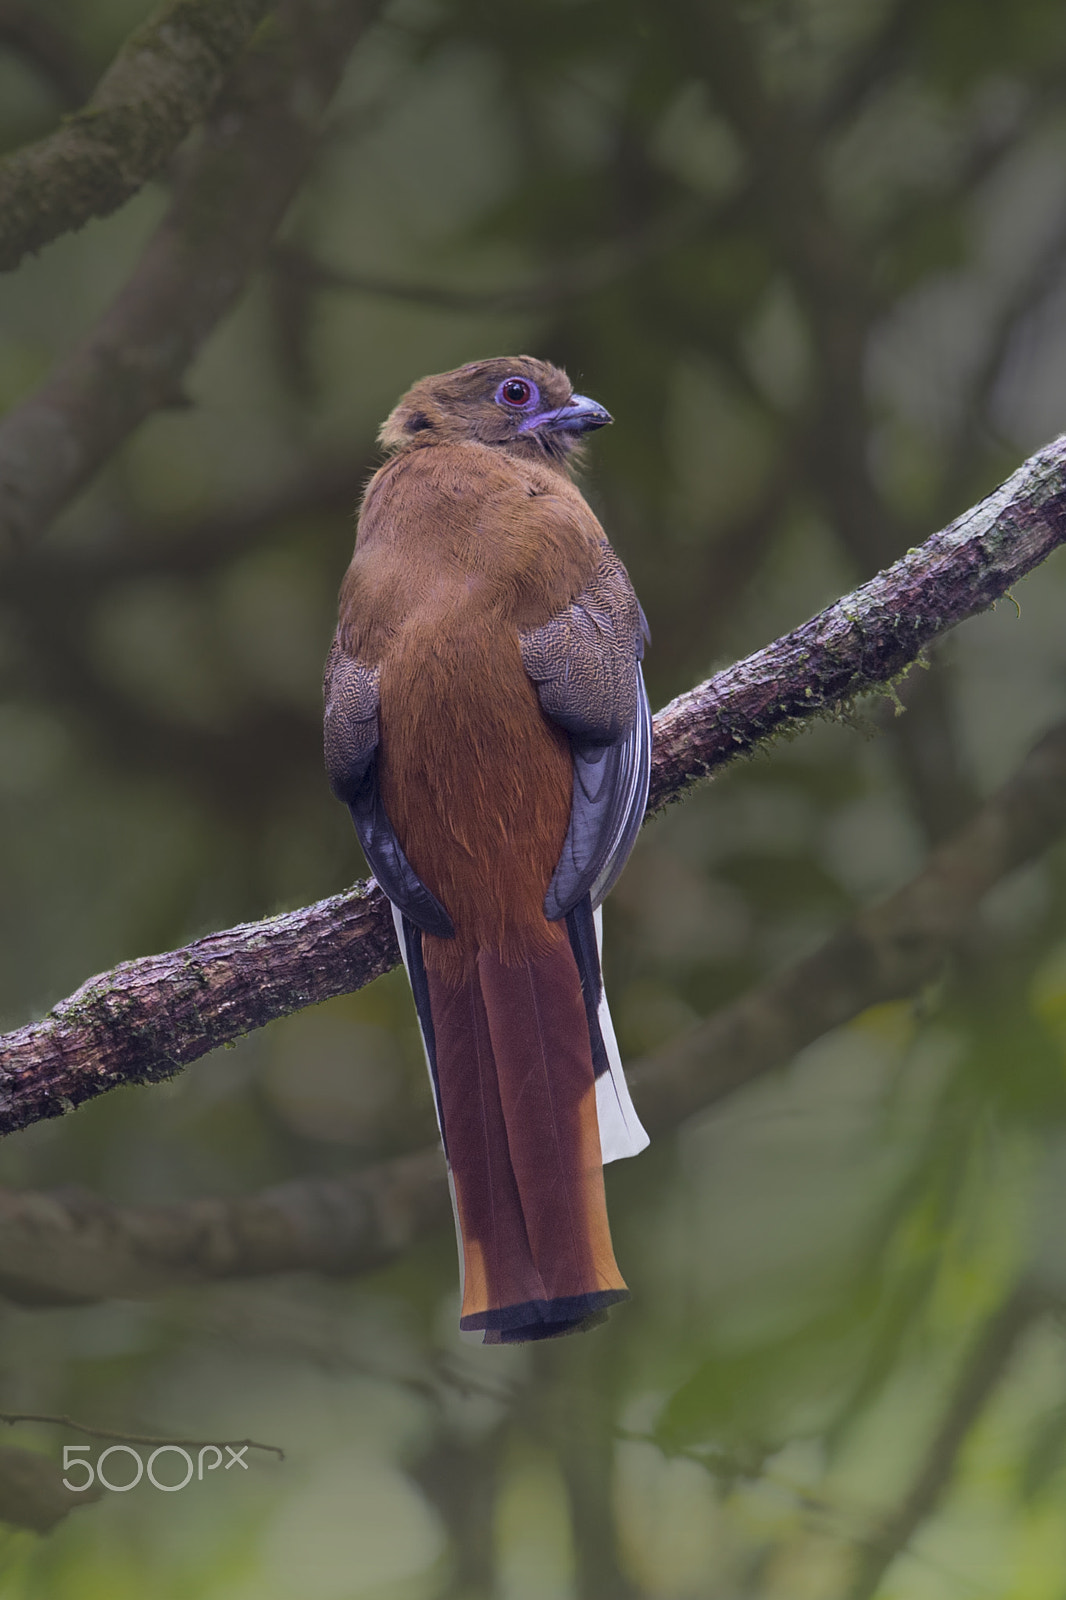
(513, 1054)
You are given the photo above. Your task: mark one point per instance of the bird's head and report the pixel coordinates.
(513, 403)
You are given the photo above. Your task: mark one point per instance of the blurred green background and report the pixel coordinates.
(812, 256)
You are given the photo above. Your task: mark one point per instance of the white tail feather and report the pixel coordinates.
(621, 1132)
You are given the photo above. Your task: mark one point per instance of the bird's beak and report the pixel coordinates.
(579, 415)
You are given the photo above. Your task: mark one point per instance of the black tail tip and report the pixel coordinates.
(545, 1319)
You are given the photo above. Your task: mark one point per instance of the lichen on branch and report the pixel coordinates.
(161, 82)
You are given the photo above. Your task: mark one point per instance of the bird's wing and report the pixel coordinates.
(351, 736)
(350, 690)
(585, 663)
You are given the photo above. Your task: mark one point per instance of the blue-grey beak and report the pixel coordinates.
(579, 415)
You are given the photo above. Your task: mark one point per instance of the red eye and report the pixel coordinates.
(515, 392)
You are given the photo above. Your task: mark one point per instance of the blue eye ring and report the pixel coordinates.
(517, 394)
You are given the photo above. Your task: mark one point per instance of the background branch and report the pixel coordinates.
(46, 47)
(70, 1247)
(568, 281)
(228, 202)
(161, 82)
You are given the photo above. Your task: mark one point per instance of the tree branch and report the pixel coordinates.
(228, 202)
(146, 1019)
(70, 1247)
(160, 83)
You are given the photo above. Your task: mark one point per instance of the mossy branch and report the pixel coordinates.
(162, 81)
(228, 201)
(148, 1018)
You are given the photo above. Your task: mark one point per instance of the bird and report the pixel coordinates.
(486, 724)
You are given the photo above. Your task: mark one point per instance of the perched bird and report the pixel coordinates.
(486, 724)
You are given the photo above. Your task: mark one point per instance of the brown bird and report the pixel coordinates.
(486, 724)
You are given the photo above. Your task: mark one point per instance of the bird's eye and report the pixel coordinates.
(516, 392)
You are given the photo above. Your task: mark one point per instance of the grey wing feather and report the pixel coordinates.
(351, 739)
(351, 694)
(610, 798)
(585, 664)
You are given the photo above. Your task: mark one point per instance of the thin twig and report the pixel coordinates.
(11, 1417)
(567, 283)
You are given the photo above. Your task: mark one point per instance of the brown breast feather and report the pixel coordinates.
(460, 547)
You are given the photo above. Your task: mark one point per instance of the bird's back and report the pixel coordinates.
(459, 548)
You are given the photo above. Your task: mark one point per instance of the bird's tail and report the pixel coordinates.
(512, 1052)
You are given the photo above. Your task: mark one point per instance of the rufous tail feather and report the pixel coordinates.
(517, 1099)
